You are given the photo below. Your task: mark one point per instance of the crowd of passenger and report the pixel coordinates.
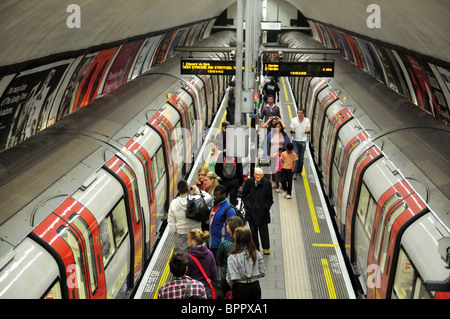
(220, 257)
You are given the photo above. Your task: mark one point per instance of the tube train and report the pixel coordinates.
(384, 165)
(83, 202)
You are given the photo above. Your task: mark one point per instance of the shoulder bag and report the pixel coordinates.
(213, 290)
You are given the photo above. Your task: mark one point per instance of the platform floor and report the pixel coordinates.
(306, 261)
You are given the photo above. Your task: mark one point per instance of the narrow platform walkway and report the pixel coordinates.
(306, 261)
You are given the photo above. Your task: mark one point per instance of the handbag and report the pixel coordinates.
(196, 208)
(213, 290)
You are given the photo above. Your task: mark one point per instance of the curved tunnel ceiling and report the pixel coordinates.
(34, 29)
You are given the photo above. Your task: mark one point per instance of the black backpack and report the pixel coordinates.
(239, 212)
(229, 170)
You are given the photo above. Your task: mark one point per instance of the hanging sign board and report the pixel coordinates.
(308, 68)
(198, 66)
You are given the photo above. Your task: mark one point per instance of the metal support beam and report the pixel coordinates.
(239, 58)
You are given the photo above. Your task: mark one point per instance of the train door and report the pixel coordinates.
(150, 228)
(362, 163)
(315, 86)
(388, 203)
(343, 163)
(127, 178)
(401, 204)
(324, 99)
(329, 145)
(73, 235)
(195, 117)
(164, 128)
(208, 97)
(183, 131)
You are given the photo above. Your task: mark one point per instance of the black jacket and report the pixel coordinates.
(257, 201)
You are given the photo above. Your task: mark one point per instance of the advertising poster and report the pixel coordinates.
(26, 103)
(118, 73)
(145, 56)
(91, 82)
(71, 91)
(425, 97)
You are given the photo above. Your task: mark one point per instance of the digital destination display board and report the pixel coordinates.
(218, 67)
(308, 68)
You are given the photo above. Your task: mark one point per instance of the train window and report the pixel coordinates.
(339, 155)
(68, 236)
(177, 137)
(352, 192)
(191, 116)
(326, 126)
(387, 233)
(146, 166)
(159, 166)
(113, 229)
(387, 205)
(156, 170)
(366, 209)
(89, 255)
(347, 156)
(134, 191)
(54, 292)
(407, 285)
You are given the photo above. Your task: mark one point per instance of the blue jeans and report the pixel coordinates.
(299, 149)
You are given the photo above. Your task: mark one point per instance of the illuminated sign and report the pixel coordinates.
(309, 68)
(218, 67)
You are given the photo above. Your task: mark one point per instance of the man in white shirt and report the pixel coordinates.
(300, 125)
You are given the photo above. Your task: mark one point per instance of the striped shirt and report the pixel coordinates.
(176, 288)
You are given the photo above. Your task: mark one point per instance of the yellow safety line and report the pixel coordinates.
(164, 276)
(305, 180)
(328, 279)
(287, 99)
(285, 90)
(325, 245)
(310, 204)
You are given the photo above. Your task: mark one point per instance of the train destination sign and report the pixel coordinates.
(218, 67)
(309, 68)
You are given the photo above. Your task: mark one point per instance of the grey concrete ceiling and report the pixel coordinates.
(31, 29)
(422, 26)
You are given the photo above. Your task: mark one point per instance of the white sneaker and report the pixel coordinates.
(288, 197)
(284, 193)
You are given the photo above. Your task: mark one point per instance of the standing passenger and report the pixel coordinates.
(245, 266)
(257, 198)
(177, 288)
(217, 221)
(197, 249)
(178, 224)
(225, 247)
(230, 171)
(288, 160)
(299, 129)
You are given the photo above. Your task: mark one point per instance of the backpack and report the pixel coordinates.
(196, 209)
(239, 212)
(229, 170)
